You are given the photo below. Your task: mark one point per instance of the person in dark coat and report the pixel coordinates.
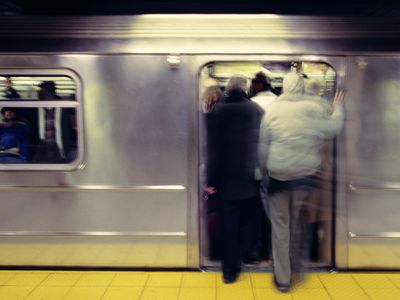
(231, 172)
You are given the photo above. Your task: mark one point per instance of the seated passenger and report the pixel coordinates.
(13, 138)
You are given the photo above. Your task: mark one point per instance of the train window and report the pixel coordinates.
(321, 74)
(40, 121)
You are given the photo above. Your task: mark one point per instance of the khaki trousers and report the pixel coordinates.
(289, 235)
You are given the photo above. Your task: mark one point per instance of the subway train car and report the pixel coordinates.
(124, 189)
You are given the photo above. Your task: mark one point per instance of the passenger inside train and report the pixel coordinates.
(9, 91)
(13, 138)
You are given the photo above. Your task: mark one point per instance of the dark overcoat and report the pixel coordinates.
(234, 145)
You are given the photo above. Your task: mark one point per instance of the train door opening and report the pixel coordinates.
(321, 80)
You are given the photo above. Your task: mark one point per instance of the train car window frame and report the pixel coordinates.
(206, 78)
(76, 104)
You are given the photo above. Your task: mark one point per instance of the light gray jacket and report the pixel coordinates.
(293, 131)
(264, 99)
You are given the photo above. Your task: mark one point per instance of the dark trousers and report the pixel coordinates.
(240, 228)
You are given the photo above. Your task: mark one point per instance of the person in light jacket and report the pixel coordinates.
(261, 88)
(293, 130)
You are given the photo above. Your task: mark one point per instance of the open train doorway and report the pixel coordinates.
(321, 80)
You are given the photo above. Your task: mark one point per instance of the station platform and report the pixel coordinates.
(107, 285)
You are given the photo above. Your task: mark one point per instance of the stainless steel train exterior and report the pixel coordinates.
(131, 199)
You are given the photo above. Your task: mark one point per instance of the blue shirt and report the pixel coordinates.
(15, 136)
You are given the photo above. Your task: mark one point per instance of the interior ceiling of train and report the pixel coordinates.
(385, 8)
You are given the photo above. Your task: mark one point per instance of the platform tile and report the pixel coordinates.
(130, 279)
(15, 292)
(197, 293)
(165, 279)
(49, 293)
(86, 293)
(203, 280)
(123, 293)
(160, 293)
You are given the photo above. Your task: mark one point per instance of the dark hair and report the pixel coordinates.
(259, 83)
(261, 78)
(49, 85)
(13, 109)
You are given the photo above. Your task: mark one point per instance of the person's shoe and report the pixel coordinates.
(283, 288)
(229, 278)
